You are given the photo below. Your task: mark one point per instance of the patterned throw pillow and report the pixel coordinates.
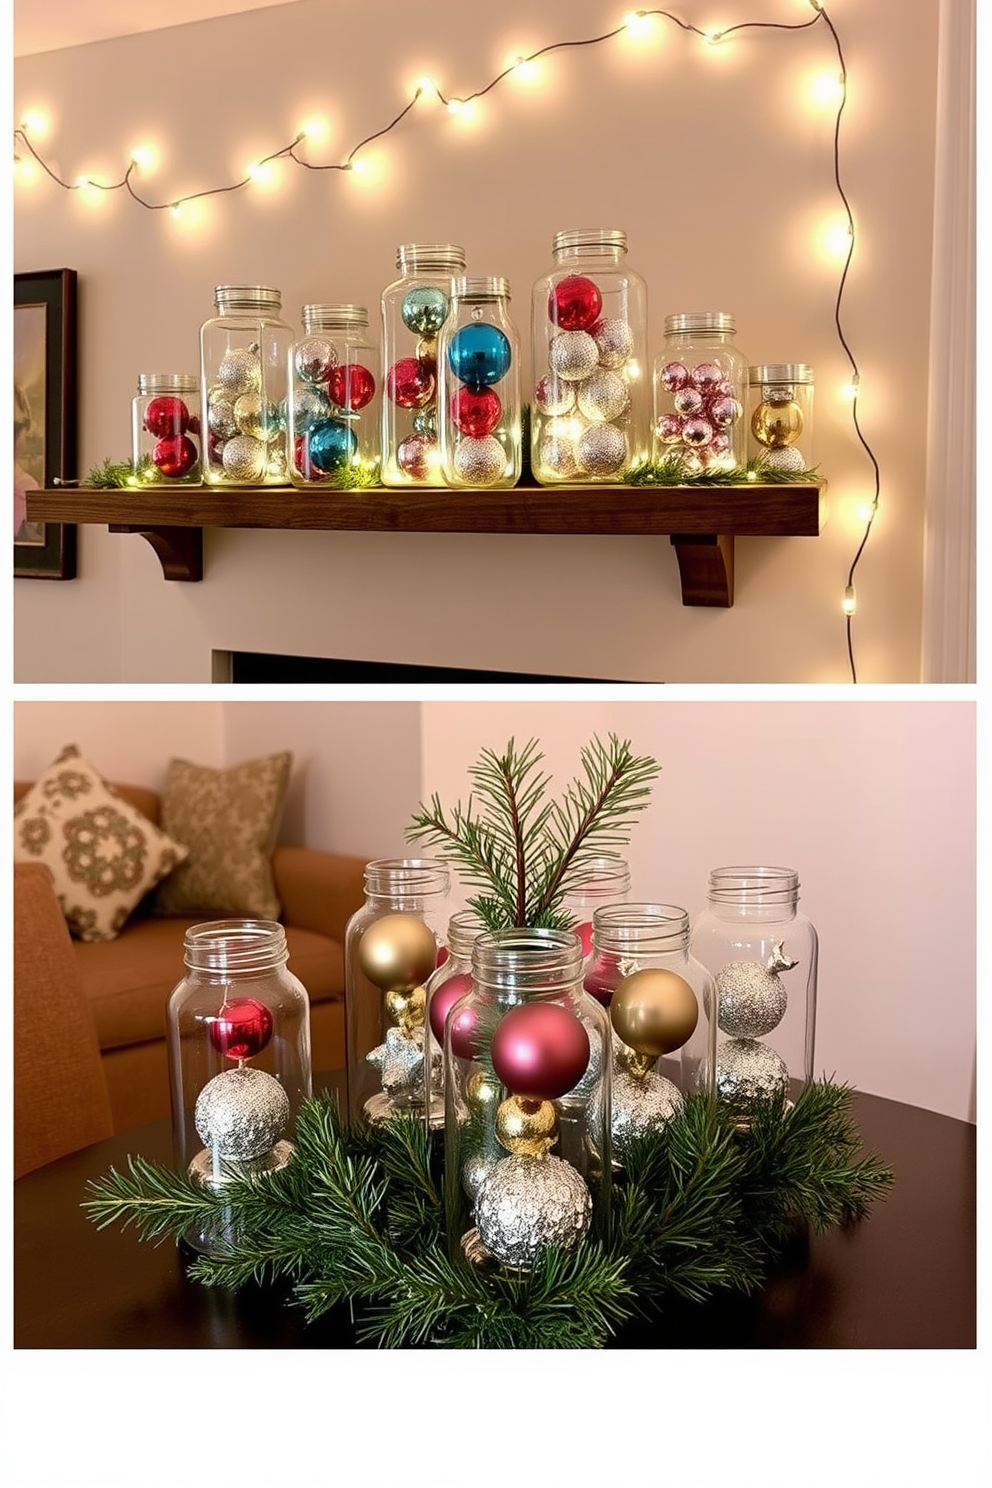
(229, 819)
(103, 855)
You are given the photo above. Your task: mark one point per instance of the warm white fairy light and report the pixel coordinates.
(638, 23)
(850, 601)
(825, 89)
(144, 158)
(36, 123)
(314, 129)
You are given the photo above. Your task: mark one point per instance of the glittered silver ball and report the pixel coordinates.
(314, 359)
(556, 457)
(748, 1071)
(594, 1069)
(778, 393)
(528, 1204)
(310, 404)
(480, 461)
(553, 397)
(220, 417)
(752, 999)
(476, 1171)
(601, 450)
(789, 458)
(641, 1105)
(573, 355)
(240, 371)
(256, 418)
(244, 458)
(241, 1113)
(614, 340)
(603, 397)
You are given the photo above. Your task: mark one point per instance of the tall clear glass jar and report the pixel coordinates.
(527, 1096)
(607, 881)
(391, 948)
(238, 1035)
(762, 953)
(244, 357)
(447, 985)
(414, 308)
(333, 408)
(478, 362)
(165, 427)
(700, 387)
(780, 415)
(590, 403)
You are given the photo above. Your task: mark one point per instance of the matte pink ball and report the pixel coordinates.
(443, 1000)
(540, 1050)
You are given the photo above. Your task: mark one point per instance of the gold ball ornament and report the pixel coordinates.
(397, 952)
(526, 1127)
(654, 1011)
(776, 425)
(638, 1066)
(481, 1092)
(406, 1010)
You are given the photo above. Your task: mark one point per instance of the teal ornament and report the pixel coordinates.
(424, 310)
(479, 355)
(425, 422)
(309, 405)
(331, 445)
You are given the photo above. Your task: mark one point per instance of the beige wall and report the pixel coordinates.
(711, 161)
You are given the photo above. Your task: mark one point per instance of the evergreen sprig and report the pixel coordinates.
(676, 470)
(120, 473)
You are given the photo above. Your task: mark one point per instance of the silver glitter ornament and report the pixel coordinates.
(603, 397)
(400, 1062)
(314, 359)
(553, 397)
(310, 404)
(255, 418)
(752, 997)
(527, 1204)
(240, 371)
(573, 355)
(591, 1079)
(748, 1071)
(788, 458)
(244, 458)
(614, 340)
(640, 1105)
(480, 461)
(241, 1113)
(601, 450)
(475, 1173)
(556, 456)
(220, 417)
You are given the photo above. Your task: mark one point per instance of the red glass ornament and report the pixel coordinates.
(464, 1031)
(413, 455)
(574, 303)
(602, 978)
(351, 386)
(194, 425)
(540, 1049)
(242, 1028)
(409, 383)
(475, 413)
(175, 455)
(301, 456)
(444, 999)
(584, 932)
(166, 415)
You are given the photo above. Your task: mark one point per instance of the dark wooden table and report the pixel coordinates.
(905, 1279)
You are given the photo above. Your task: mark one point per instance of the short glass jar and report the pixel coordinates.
(780, 415)
(391, 948)
(333, 406)
(527, 1096)
(447, 985)
(244, 359)
(414, 308)
(238, 1035)
(700, 384)
(478, 369)
(165, 427)
(590, 403)
(762, 953)
(606, 881)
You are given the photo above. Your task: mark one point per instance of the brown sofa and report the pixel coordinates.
(127, 981)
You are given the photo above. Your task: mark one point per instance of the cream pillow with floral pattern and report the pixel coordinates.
(102, 853)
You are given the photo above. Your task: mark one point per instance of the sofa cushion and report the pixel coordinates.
(229, 820)
(102, 853)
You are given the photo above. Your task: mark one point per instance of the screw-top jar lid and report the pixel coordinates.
(464, 929)
(247, 297)
(590, 237)
(407, 881)
(701, 321)
(780, 372)
(326, 317)
(167, 382)
(480, 289)
(651, 929)
(527, 962)
(446, 258)
(232, 946)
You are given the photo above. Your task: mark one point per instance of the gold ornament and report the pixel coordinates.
(777, 424)
(480, 1091)
(654, 1011)
(526, 1127)
(406, 1009)
(635, 1064)
(397, 952)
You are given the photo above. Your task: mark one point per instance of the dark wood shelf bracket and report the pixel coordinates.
(706, 568)
(179, 549)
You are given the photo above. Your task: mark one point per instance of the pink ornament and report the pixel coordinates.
(724, 411)
(720, 443)
(575, 303)
(413, 455)
(602, 977)
(443, 999)
(670, 428)
(541, 1050)
(697, 432)
(241, 1029)
(409, 383)
(674, 375)
(174, 456)
(351, 386)
(584, 932)
(707, 377)
(475, 413)
(165, 416)
(464, 1033)
(688, 400)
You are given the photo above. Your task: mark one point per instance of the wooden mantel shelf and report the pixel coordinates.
(701, 521)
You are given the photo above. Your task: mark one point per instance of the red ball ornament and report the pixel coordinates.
(194, 425)
(413, 455)
(166, 415)
(475, 413)
(241, 1029)
(301, 457)
(443, 1000)
(464, 1033)
(175, 455)
(409, 383)
(351, 386)
(574, 303)
(584, 932)
(540, 1049)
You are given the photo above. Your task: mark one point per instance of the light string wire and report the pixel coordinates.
(288, 152)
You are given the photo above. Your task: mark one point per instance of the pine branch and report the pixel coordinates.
(676, 470)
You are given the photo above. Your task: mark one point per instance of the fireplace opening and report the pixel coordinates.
(263, 666)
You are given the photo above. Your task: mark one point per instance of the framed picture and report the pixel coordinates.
(44, 416)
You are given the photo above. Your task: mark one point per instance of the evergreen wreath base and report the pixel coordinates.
(357, 1216)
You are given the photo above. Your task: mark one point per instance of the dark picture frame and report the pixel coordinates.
(45, 416)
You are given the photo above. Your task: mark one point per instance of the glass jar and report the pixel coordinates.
(700, 384)
(390, 950)
(238, 1034)
(165, 427)
(478, 362)
(590, 409)
(447, 985)
(333, 419)
(607, 881)
(762, 954)
(244, 357)
(414, 308)
(527, 1096)
(780, 415)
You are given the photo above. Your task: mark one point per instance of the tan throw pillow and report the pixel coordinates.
(229, 819)
(103, 855)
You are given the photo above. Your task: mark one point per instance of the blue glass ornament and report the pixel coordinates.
(479, 355)
(331, 446)
(424, 310)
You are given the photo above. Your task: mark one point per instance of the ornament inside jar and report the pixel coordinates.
(448, 984)
(700, 382)
(165, 427)
(589, 410)
(244, 359)
(762, 953)
(333, 407)
(604, 881)
(391, 948)
(414, 309)
(478, 370)
(527, 1079)
(238, 1035)
(780, 415)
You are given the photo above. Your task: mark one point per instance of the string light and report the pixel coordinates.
(850, 604)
